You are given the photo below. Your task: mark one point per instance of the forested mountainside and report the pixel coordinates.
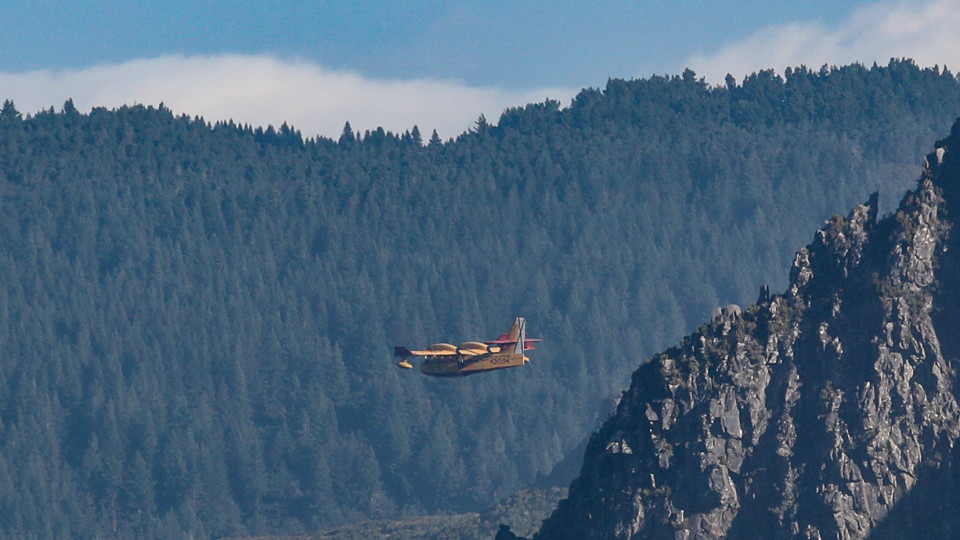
(828, 411)
(196, 320)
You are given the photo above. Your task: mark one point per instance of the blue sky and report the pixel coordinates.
(436, 64)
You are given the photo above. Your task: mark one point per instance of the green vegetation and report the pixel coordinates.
(196, 320)
(524, 510)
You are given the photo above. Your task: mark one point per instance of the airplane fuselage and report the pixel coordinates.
(449, 360)
(459, 366)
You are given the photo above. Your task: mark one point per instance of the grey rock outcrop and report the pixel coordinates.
(728, 314)
(828, 411)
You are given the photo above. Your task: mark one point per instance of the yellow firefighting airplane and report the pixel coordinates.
(446, 360)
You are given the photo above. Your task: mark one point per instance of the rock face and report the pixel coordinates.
(828, 411)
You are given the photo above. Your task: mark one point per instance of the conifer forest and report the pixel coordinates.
(197, 319)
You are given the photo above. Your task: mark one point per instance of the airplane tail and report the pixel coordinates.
(518, 335)
(515, 340)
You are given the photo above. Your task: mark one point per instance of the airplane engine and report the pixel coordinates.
(474, 347)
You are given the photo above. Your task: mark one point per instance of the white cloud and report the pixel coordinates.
(925, 31)
(262, 90)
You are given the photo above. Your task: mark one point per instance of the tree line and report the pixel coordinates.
(196, 319)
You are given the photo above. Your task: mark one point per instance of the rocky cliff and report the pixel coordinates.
(828, 411)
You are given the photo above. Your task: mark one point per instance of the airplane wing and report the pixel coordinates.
(403, 351)
(433, 353)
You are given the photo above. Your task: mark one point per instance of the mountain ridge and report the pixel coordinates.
(811, 414)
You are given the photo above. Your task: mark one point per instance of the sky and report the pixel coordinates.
(437, 65)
